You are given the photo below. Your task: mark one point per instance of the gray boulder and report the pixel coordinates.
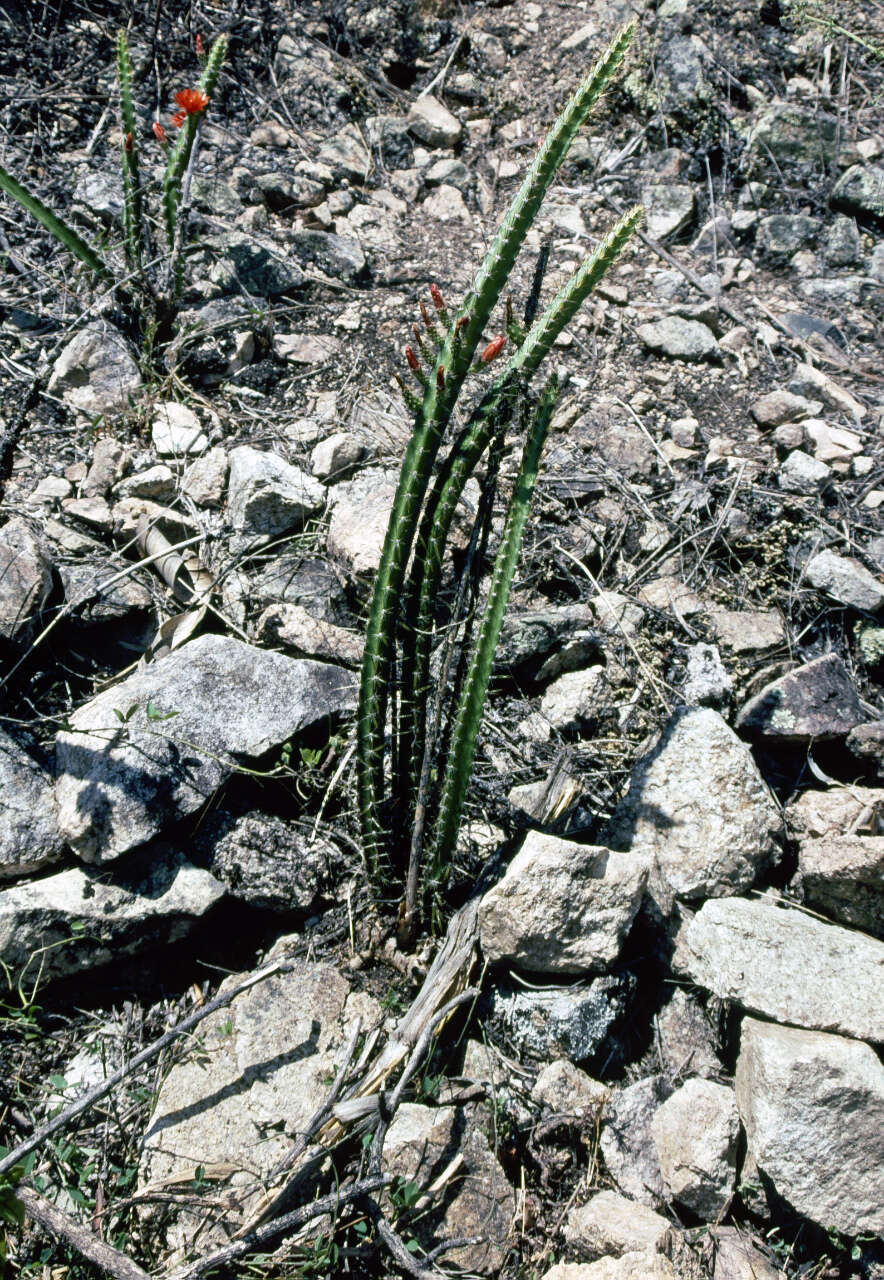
(29, 835)
(25, 581)
(813, 1109)
(816, 700)
(561, 907)
(699, 809)
(679, 338)
(77, 920)
(782, 234)
(609, 1225)
(123, 777)
(96, 372)
(797, 133)
(267, 496)
(359, 518)
(291, 626)
(786, 965)
(846, 580)
(478, 1202)
(433, 123)
(256, 265)
(843, 876)
(695, 1133)
(272, 1053)
(627, 1141)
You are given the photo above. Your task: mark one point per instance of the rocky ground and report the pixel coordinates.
(672, 1066)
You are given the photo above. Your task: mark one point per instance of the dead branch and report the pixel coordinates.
(111, 1261)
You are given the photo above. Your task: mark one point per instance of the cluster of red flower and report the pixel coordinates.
(190, 103)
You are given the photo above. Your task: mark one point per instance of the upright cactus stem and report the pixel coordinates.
(401, 616)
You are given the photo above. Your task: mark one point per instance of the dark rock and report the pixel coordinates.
(570, 1022)
(816, 700)
(25, 581)
(29, 835)
(269, 863)
(390, 140)
(338, 256)
(782, 234)
(861, 191)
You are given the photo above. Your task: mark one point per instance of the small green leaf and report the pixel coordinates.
(58, 1082)
(153, 712)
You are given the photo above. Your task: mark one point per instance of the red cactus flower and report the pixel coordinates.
(413, 362)
(198, 44)
(191, 101)
(494, 348)
(128, 144)
(435, 294)
(159, 132)
(178, 119)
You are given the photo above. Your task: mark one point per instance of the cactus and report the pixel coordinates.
(400, 617)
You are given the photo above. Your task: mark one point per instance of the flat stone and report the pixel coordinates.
(695, 1133)
(157, 483)
(813, 1109)
(25, 581)
(272, 1052)
(866, 742)
(831, 444)
(816, 700)
(561, 907)
(305, 348)
(782, 234)
(576, 699)
(786, 965)
(446, 204)
(679, 339)
(796, 133)
(698, 808)
(669, 208)
(98, 595)
(340, 257)
(246, 261)
(96, 372)
(346, 155)
(267, 496)
(781, 406)
(843, 876)
(293, 627)
(631, 1266)
(335, 456)
(610, 1225)
(205, 480)
(846, 580)
(800, 473)
(566, 1090)
(120, 784)
(360, 514)
(809, 381)
(748, 631)
(433, 123)
(79, 919)
(29, 835)
(176, 430)
(627, 1141)
(420, 1143)
(737, 1258)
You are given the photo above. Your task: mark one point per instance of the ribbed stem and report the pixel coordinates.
(469, 711)
(454, 362)
(133, 232)
(66, 235)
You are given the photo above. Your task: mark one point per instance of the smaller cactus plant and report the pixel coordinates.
(157, 296)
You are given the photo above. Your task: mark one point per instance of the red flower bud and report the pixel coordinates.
(128, 144)
(198, 43)
(178, 119)
(159, 132)
(438, 301)
(413, 363)
(440, 378)
(494, 348)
